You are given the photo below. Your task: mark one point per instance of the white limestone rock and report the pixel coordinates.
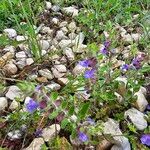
(11, 33)
(3, 103)
(49, 132)
(137, 118)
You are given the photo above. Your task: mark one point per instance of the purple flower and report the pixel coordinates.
(104, 51)
(38, 132)
(89, 73)
(38, 88)
(145, 139)
(107, 44)
(136, 63)
(82, 137)
(32, 106)
(125, 67)
(90, 121)
(84, 63)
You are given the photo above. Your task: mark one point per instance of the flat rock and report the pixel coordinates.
(141, 101)
(48, 5)
(55, 8)
(63, 81)
(21, 38)
(10, 32)
(46, 73)
(36, 144)
(78, 70)
(112, 127)
(49, 132)
(56, 73)
(53, 86)
(13, 92)
(3, 103)
(61, 68)
(72, 26)
(9, 49)
(44, 45)
(65, 43)
(10, 69)
(69, 53)
(20, 55)
(60, 35)
(71, 11)
(14, 105)
(137, 118)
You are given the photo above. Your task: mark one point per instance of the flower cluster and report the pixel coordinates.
(105, 49)
(90, 64)
(135, 64)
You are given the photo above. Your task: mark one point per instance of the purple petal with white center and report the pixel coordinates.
(83, 137)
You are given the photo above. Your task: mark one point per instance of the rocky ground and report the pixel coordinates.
(63, 45)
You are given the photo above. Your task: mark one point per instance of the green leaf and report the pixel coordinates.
(83, 111)
(54, 114)
(71, 111)
(64, 104)
(54, 96)
(64, 123)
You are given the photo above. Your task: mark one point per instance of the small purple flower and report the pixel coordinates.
(89, 73)
(83, 137)
(38, 88)
(104, 51)
(32, 106)
(107, 44)
(90, 121)
(125, 67)
(145, 139)
(38, 132)
(136, 63)
(84, 63)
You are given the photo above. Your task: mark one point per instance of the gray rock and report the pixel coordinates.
(55, 8)
(3, 103)
(72, 26)
(48, 5)
(65, 30)
(136, 36)
(14, 135)
(9, 49)
(36, 144)
(61, 68)
(55, 21)
(63, 81)
(47, 30)
(127, 38)
(137, 118)
(21, 38)
(69, 53)
(49, 132)
(29, 61)
(14, 105)
(20, 55)
(46, 73)
(53, 86)
(60, 35)
(141, 100)
(112, 127)
(63, 24)
(72, 36)
(11, 33)
(78, 70)
(44, 45)
(71, 11)
(21, 63)
(13, 92)
(56, 73)
(65, 43)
